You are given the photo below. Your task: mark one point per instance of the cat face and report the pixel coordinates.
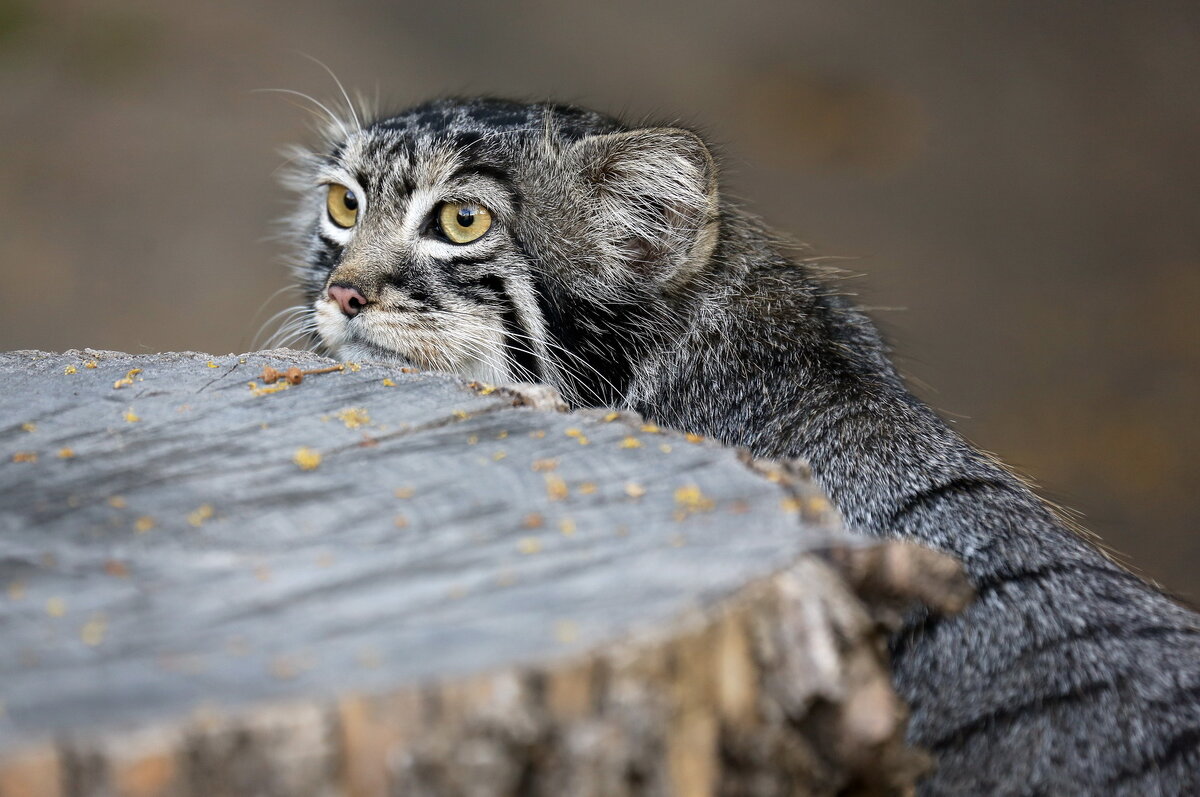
(503, 242)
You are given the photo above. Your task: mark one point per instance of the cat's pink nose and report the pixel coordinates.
(348, 298)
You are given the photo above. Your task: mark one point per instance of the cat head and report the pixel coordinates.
(502, 241)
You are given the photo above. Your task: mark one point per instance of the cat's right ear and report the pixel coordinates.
(651, 200)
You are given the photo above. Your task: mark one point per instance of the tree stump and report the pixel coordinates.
(377, 581)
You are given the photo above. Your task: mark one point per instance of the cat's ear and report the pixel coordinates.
(651, 198)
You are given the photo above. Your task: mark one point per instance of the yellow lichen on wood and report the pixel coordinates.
(202, 513)
(556, 488)
(789, 505)
(266, 391)
(70, 369)
(130, 416)
(66, 453)
(126, 380)
(353, 417)
(144, 524)
(306, 458)
(25, 456)
(92, 633)
(690, 500)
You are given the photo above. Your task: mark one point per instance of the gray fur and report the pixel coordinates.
(617, 273)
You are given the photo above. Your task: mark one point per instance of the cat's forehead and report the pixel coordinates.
(387, 160)
(485, 116)
(427, 143)
(479, 127)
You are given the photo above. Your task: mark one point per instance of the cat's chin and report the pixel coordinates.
(357, 350)
(362, 351)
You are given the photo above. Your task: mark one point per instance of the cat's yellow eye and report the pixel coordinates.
(463, 222)
(342, 205)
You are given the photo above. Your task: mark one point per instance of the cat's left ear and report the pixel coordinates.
(652, 200)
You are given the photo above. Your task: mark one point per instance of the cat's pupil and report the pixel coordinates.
(350, 201)
(466, 217)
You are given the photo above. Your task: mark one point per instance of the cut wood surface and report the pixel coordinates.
(378, 581)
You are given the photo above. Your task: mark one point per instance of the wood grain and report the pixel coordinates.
(383, 582)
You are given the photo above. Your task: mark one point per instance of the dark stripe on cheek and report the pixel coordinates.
(417, 287)
(422, 292)
(466, 259)
(488, 289)
(605, 361)
(516, 344)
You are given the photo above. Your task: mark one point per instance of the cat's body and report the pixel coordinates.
(609, 266)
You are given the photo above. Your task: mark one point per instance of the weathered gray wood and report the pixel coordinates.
(465, 595)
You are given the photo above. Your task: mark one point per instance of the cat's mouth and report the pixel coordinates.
(410, 338)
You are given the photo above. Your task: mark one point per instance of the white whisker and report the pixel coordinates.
(341, 88)
(333, 118)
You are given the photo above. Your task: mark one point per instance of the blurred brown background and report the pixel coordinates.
(1021, 178)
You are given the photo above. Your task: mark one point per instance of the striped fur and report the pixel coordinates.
(616, 272)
